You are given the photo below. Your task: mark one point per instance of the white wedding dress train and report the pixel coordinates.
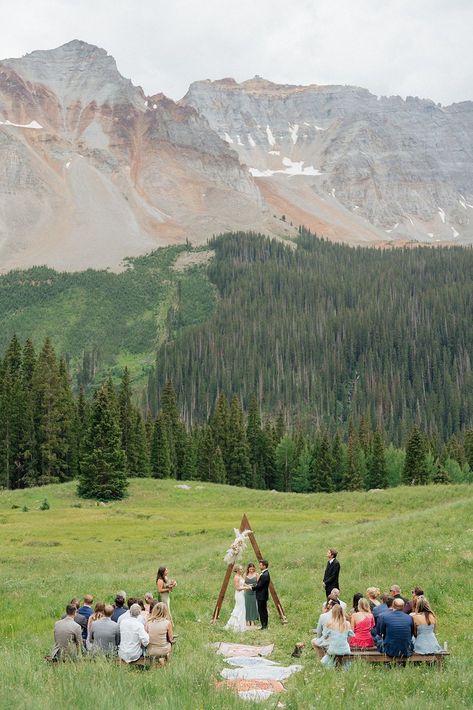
(237, 620)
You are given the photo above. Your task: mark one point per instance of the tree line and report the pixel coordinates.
(332, 332)
(48, 435)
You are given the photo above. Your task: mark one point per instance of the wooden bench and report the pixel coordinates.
(374, 656)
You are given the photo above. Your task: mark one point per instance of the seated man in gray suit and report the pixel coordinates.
(105, 633)
(67, 636)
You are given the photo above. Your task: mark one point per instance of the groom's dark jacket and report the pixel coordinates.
(261, 587)
(332, 571)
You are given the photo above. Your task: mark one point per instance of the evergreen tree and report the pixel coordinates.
(205, 454)
(338, 463)
(238, 469)
(256, 445)
(103, 467)
(321, 467)
(270, 470)
(300, 477)
(139, 461)
(377, 468)
(415, 471)
(161, 466)
(189, 471)
(468, 447)
(52, 418)
(220, 423)
(441, 474)
(354, 469)
(286, 462)
(127, 418)
(218, 473)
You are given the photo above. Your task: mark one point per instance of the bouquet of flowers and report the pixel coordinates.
(236, 549)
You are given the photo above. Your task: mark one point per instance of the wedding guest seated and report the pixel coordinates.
(335, 594)
(396, 593)
(425, 621)
(324, 618)
(336, 634)
(148, 597)
(410, 605)
(104, 633)
(160, 633)
(126, 615)
(67, 636)
(98, 614)
(396, 630)
(362, 621)
(78, 618)
(372, 595)
(356, 599)
(375, 631)
(120, 607)
(386, 603)
(133, 637)
(86, 610)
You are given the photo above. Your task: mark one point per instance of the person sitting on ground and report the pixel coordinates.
(148, 598)
(362, 621)
(160, 633)
(78, 618)
(98, 614)
(424, 628)
(337, 634)
(375, 631)
(335, 594)
(356, 599)
(324, 619)
(120, 607)
(395, 591)
(67, 636)
(104, 633)
(133, 637)
(86, 610)
(372, 595)
(396, 630)
(409, 606)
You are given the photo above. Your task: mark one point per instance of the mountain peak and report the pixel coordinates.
(77, 71)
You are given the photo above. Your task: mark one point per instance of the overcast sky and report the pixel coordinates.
(407, 47)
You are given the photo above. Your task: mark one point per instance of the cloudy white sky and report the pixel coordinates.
(407, 47)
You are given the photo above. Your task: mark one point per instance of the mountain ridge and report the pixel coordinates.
(93, 170)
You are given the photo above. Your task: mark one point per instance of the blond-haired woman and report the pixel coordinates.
(372, 595)
(336, 634)
(237, 620)
(160, 632)
(362, 621)
(99, 613)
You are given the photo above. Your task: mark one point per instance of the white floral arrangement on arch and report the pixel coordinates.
(238, 546)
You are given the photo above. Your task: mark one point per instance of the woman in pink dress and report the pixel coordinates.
(362, 621)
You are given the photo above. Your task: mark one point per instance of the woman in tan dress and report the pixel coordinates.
(160, 632)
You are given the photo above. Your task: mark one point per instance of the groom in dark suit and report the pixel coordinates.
(332, 570)
(262, 595)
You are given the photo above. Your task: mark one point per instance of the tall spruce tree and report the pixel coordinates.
(161, 465)
(415, 471)
(256, 445)
(354, 469)
(286, 461)
(220, 423)
(126, 411)
(238, 469)
(321, 467)
(300, 477)
(338, 462)
(139, 458)
(468, 447)
(377, 470)
(103, 466)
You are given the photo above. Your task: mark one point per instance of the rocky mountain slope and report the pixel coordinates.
(92, 169)
(339, 153)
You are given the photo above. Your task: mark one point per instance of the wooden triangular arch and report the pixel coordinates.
(245, 525)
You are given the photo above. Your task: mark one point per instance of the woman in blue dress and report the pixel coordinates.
(337, 632)
(425, 621)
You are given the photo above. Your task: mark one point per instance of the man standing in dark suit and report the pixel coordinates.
(332, 570)
(261, 588)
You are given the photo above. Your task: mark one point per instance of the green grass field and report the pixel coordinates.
(406, 536)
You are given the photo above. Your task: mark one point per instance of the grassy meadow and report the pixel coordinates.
(406, 536)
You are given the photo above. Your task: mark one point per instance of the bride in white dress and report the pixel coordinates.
(237, 620)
